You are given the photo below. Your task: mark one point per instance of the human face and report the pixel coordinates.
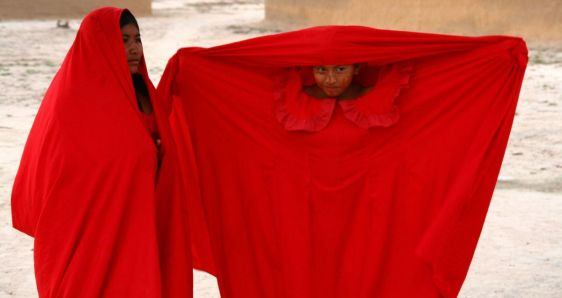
(133, 46)
(334, 80)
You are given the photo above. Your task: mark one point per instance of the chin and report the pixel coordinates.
(332, 94)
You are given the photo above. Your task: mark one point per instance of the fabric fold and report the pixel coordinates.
(296, 110)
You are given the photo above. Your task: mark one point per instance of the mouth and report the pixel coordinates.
(134, 61)
(332, 89)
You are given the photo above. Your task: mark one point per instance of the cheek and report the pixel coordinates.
(346, 81)
(319, 79)
(127, 48)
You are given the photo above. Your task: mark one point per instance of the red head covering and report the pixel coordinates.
(88, 188)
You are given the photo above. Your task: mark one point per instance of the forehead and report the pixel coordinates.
(130, 29)
(330, 66)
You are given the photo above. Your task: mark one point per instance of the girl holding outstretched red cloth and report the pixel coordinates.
(309, 177)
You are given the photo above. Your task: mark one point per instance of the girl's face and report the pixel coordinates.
(133, 46)
(333, 80)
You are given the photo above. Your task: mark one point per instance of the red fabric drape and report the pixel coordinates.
(385, 198)
(106, 222)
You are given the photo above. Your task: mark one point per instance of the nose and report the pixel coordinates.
(331, 78)
(134, 48)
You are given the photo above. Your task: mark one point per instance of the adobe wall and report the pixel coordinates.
(64, 9)
(537, 20)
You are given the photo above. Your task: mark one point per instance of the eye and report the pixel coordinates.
(319, 69)
(341, 68)
(138, 39)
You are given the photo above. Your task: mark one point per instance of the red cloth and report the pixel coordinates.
(382, 196)
(105, 224)
(149, 122)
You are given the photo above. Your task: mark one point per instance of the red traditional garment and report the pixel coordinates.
(105, 223)
(381, 196)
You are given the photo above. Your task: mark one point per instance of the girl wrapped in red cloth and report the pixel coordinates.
(96, 184)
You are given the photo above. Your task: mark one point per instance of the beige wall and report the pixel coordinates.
(535, 20)
(24, 9)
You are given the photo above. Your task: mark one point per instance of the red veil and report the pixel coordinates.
(105, 222)
(381, 196)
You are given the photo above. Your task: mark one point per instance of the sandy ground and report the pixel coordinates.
(520, 251)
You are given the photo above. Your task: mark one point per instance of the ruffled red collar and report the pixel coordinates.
(296, 110)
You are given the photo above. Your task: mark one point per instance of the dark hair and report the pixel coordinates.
(127, 18)
(140, 85)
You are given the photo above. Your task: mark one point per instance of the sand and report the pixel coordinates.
(520, 250)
